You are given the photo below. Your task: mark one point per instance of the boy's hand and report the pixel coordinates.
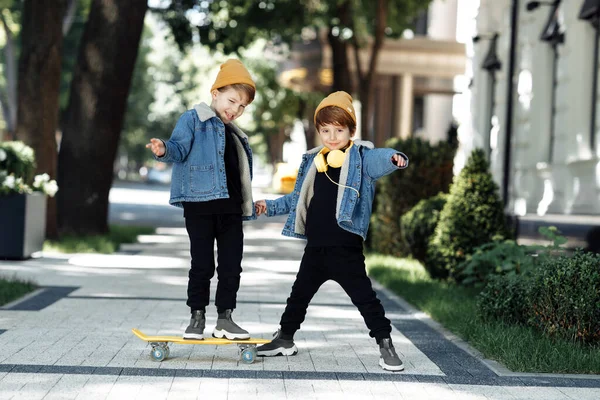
(157, 146)
(398, 160)
(260, 207)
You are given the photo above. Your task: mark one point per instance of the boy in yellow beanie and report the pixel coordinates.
(330, 207)
(211, 181)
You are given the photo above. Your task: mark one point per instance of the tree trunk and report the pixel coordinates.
(9, 98)
(365, 79)
(95, 114)
(339, 63)
(39, 86)
(342, 79)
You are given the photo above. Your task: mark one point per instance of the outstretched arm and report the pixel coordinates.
(380, 162)
(177, 148)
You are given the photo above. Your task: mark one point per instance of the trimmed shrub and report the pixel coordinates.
(429, 172)
(418, 224)
(505, 298)
(472, 216)
(564, 297)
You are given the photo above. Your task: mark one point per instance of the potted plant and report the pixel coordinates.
(22, 202)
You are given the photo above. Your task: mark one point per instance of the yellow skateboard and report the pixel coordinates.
(160, 345)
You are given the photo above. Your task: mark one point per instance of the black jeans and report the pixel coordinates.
(203, 230)
(346, 266)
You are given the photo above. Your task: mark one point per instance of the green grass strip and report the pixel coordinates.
(104, 244)
(13, 288)
(519, 348)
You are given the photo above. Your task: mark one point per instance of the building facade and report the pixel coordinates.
(533, 107)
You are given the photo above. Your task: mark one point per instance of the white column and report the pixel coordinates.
(405, 104)
(438, 116)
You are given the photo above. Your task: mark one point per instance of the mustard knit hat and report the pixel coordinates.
(339, 99)
(232, 71)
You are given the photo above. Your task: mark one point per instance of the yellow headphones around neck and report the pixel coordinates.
(335, 159)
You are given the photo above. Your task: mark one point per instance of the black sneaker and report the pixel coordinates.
(195, 330)
(389, 359)
(228, 329)
(277, 347)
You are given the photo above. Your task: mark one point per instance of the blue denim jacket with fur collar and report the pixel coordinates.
(196, 149)
(362, 167)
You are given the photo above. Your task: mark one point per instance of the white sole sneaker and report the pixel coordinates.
(218, 333)
(394, 368)
(280, 351)
(193, 336)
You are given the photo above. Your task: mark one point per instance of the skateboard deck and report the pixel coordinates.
(160, 345)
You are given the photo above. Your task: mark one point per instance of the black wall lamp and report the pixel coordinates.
(554, 35)
(491, 63)
(590, 11)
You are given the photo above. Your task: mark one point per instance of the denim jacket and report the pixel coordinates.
(196, 149)
(361, 168)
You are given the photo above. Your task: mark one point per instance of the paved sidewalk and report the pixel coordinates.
(72, 339)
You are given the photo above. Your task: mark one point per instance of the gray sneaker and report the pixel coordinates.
(389, 359)
(196, 328)
(277, 347)
(228, 329)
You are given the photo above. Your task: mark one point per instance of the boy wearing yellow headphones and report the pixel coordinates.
(330, 207)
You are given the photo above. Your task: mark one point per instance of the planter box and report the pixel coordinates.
(22, 225)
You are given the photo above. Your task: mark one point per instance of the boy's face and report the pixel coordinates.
(335, 137)
(229, 104)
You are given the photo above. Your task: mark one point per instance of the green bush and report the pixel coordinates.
(472, 216)
(418, 224)
(505, 298)
(502, 257)
(564, 297)
(429, 172)
(495, 258)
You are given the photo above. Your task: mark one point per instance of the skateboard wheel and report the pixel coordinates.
(167, 351)
(158, 353)
(248, 355)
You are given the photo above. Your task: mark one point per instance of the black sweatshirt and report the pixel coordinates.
(322, 228)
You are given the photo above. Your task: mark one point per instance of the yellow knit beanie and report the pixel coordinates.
(339, 99)
(232, 71)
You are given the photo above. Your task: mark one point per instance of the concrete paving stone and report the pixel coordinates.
(413, 390)
(581, 393)
(68, 387)
(384, 389)
(157, 372)
(37, 386)
(26, 369)
(299, 389)
(125, 387)
(217, 388)
(536, 392)
(184, 388)
(155, 388)
(67, 369)
(477, 392)
(270, 389)
(441, 391)
(108, 371)
(355, 388)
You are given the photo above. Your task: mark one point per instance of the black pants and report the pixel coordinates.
(346, 266)
(203, 230)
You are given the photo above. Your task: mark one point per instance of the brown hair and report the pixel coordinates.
(244, 88)
(335, 116)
